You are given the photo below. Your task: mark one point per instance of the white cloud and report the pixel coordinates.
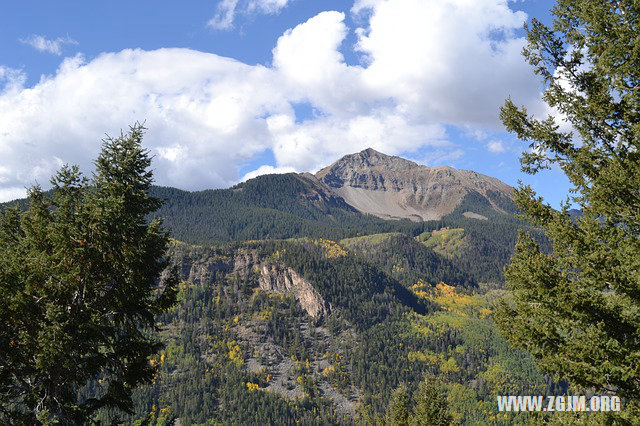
(313, 69)
(440, 157)
(197, 106)
(496, 147)
(225, 13)
(267, 6)
(314, 144)
(266, 170)
(227, 10)
(446, 60)
(12, 193)
(43, 44)
(431, 64)
(11, 80)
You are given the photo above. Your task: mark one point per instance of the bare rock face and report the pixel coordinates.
(394, 188)
(204, 270)
(280, 279)
(273, 277)
(245, 261)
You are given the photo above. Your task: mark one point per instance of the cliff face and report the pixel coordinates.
(273, 277)
(393, 188)
(280, 279)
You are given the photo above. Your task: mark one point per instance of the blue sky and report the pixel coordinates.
(234, 88)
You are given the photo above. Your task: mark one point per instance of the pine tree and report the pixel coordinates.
(577, 309)
(80, 290)
(431, 407)
(398, 411)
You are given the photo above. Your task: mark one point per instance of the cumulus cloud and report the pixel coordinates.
(208, 115)
(266, 170)
(496, 147)
(227, 9)
(447, 60)
(197, 107)
(308, 58)
(315, 143)
(43, 44)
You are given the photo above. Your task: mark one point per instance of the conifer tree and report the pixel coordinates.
(398, 411)
(430, 407)
(577, 309)
(80, 290)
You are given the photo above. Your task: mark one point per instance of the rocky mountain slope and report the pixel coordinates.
(394, 188)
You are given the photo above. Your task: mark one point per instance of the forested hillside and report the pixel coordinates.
(309, 331)
(370, 290)
(294, 205)
(267, 207)
(295, 307)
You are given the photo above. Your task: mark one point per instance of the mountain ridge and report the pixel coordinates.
(367, 182)
(392, 187)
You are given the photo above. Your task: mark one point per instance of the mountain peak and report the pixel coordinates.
(362, 161)
(392, 187)
(370, 152)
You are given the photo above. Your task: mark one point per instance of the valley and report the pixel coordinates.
(297, 305)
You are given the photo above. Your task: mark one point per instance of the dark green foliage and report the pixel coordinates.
(365, 294)
(267, 207)
(502, 202)
(398, 411)
(292, 206)
(79, 276)
(199, 381)
(408, 261)
(576, 309)
(430, 405)
(490, 242)
(225, 323)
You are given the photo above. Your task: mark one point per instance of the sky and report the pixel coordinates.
(232, 89)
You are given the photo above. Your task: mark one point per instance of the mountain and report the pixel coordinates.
(394, 188)
(300, 303)
(355, 196)
(346, 196)
(331, 205)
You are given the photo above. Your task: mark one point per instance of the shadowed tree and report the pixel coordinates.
(80, 289)
(577, 309)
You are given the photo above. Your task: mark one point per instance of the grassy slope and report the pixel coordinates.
(445, 242)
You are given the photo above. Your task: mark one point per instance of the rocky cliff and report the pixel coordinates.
(273, 277)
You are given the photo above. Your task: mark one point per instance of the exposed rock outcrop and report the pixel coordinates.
(276, 277)
(281, 279)
(273, 277)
